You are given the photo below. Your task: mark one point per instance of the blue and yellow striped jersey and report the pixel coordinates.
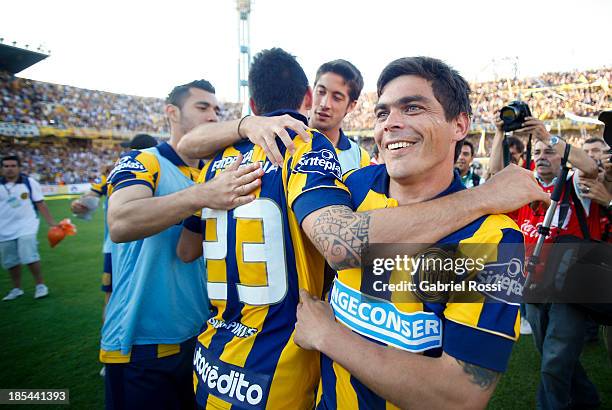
(142, 168)
(257, 259)
(482, 332)
(99, 185)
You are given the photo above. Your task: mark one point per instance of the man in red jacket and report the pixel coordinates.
(558, 328)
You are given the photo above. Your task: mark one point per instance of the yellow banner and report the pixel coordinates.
(87, 133)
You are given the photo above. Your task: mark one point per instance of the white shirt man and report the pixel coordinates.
(20, 198)
(17, 215)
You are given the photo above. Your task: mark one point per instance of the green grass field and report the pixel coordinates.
(53, 342)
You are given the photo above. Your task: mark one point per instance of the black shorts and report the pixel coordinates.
(165, 383)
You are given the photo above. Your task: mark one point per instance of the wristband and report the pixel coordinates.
(239, 124)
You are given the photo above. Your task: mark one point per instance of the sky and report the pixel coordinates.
(147, 47)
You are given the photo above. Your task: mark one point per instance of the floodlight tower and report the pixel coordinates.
(244, 47)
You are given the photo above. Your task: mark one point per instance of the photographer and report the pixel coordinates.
(558, 328)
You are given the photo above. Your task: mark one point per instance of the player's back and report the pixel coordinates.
(257, 260)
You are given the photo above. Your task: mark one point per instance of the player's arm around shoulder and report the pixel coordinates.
(206, 139)
(134, 213)
(339, 233)
(320, 199)
(228, 189)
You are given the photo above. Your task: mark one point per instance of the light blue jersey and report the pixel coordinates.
(350, 154)
(157, 299)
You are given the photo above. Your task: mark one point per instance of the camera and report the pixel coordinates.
(513, 115)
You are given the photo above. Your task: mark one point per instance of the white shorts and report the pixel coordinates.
(20, 251)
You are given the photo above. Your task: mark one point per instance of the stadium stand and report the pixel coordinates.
(69, 119)
(550, 96)
(62, 106)
(64, 164)
(67, 135)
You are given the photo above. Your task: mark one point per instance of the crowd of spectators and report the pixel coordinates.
(549, 96)
(22, 100)
(62, 164)
(62, 106)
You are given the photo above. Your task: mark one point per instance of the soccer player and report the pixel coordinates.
(370, 361)
(20, 200)
(337, 87)
(258, 257)
(159, 303)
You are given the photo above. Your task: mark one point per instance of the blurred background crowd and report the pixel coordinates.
(64, 164)
(62, 106)
(551, 97)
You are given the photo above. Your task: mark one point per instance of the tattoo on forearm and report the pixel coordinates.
(483, 378)
(340, 234)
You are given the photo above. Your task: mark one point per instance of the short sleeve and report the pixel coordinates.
(315, 178)
(483, 333)
(37, 194)
(134, 168)
(99, 186)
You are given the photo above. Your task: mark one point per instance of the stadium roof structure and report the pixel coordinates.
(15, 59)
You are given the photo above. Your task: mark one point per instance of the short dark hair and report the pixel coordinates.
(449, 87)
(276, 81)
(11, 158)
(593, 140)
(468, 144)
(179, 94)
(345, 69)
(515, 142)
